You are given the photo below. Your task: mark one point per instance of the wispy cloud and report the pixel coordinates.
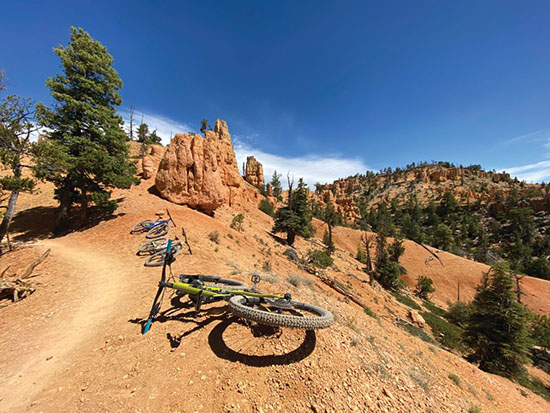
(522, 138)
(165, 127)
(535, 172)
(313, 168)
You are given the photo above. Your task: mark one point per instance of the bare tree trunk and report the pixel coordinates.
(83, 206)
(131, 122)
(10, 212)
(62, 220)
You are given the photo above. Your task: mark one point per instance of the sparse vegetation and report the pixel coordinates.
(424, 287)
(298, 280)
(266, 207)
(456, 380)
(214, 236)
(237, 222)
(369, 312)
(407, 301)
(446, 333)
(319, 258)
(435, 309)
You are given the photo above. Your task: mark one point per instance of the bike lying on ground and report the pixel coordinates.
(156, 248)
(154, 229)
(276, 310)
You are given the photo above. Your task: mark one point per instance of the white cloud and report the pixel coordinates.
(165, 127)
(313, 168)
(536, 172)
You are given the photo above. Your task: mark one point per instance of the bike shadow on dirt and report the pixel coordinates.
(216, 341)
(222, 350)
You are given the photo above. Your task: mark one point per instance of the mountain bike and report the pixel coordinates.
(153, 229)
(276, 310)
(157, 249)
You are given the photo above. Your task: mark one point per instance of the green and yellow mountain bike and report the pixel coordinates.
(276, 310)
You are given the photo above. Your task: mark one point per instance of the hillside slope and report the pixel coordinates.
(76, 344)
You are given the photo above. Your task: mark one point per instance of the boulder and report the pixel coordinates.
(254, 172)
(416, 318)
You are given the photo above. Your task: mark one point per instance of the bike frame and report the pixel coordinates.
(216, 292)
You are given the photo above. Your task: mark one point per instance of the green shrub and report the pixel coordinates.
(435, 309)
(407, 301)
(448, 334)
(455, 379)
(369, 312)
(267, 207)
(237, 222)
(424, 287)
(418, 332)
(319, 258)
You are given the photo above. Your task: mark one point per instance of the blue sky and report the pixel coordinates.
(323, 89)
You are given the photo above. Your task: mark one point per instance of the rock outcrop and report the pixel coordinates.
(200, 172)
(254, 172)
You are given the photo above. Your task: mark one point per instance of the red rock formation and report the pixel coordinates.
(254, 172)
(202, 172)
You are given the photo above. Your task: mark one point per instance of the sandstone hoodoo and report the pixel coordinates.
(254, 172)
(199, 172)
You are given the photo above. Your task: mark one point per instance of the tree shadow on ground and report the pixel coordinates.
(38, 223)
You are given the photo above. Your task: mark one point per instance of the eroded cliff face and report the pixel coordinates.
(202, 172)
(427, 182)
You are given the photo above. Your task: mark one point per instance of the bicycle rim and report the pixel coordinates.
(302, 316)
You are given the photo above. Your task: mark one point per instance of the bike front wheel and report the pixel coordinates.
(296, 314)
(157, 259)
(153, 246)
(158, 231)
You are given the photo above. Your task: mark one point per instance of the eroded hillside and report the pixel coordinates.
(76, 343)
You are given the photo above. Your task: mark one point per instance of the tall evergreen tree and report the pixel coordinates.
(86, 152)
(497, 328)
(295, 218)
(330, 218)
(276, 185)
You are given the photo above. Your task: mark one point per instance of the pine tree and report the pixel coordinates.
(86, 152)
(276, 185)
(497, 327)
(295, 218)
(329, 217)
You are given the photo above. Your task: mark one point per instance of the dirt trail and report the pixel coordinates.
(61, 340)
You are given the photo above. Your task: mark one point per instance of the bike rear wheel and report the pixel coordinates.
(157, 259)
(301, 316)
(158, 231)
(140, 226)
(153, 246)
